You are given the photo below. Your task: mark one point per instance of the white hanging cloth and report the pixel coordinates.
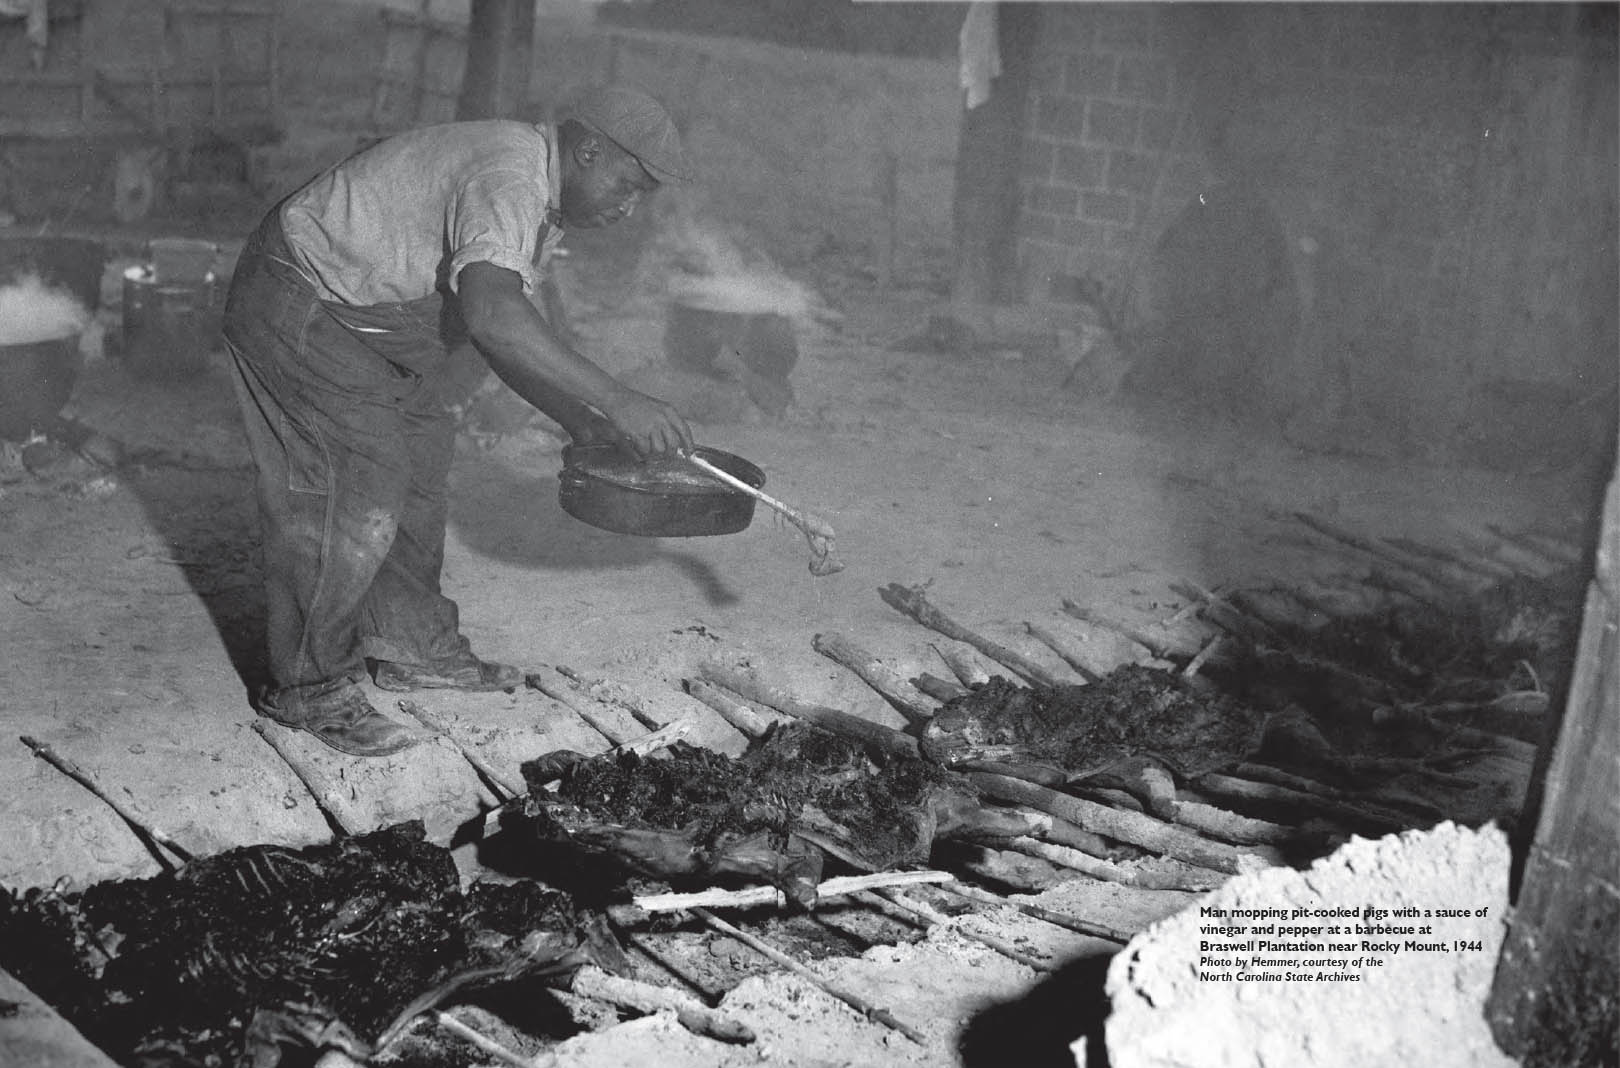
(979, 52)
(38, 28)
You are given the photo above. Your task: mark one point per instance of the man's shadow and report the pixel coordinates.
(515, 517)
(206, 523)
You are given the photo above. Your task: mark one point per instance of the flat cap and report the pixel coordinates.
(636, 123)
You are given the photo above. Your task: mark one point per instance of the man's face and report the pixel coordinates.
(603, 184)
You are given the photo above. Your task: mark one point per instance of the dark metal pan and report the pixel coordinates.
(661, 498)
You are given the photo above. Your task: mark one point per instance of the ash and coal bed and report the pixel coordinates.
(263, 956)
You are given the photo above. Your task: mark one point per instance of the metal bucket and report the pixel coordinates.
(169, 328)
(36, 379)
(182, 260)
(694, 337)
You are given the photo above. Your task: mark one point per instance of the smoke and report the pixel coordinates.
(714, 272)
(32, 311)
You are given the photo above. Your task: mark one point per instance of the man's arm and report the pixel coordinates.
(530, 358)
(551, 306)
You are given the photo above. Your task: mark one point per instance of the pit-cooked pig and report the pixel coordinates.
(768, 816)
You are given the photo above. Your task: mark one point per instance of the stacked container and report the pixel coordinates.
(171, 316)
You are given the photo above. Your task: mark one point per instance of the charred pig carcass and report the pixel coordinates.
(771, 816)
(1105, 733)
(236, 956)
(1142, 730)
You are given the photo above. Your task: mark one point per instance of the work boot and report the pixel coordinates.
(344, 720)
(463, 671)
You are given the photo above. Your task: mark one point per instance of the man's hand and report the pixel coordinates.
(648, 426)
(586, 427)
(541, 368)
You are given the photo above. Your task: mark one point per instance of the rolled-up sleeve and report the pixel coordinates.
(497, 217)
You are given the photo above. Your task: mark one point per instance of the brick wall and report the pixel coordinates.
(1422, 172)
(1100, 150)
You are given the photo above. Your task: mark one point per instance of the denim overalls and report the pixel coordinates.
(348, 418)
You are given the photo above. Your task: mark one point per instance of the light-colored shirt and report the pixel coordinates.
(400, 219)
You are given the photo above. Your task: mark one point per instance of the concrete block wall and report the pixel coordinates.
(1138, 108)
(1436, 173)
(1107, 144)
(797, 138)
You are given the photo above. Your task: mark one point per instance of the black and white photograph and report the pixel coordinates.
(809, 534)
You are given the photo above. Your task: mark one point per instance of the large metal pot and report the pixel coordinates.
(695, 336)
(661, 498)
(37, 376)
(36, 379)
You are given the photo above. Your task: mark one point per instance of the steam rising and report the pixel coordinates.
(716, 274)
(32, 311)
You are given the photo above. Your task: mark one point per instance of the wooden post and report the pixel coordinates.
(88, 43)
(216, 69)
(519, 61)
(1554, 990)
(989, 157)
(500, 51)
(424, 49)
(272, 62)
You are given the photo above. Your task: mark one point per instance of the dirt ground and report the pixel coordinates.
(130, 609)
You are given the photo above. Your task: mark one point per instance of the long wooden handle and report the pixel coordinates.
(809, 524)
